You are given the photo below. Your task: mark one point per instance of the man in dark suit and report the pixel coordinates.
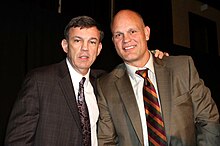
(45, 112)
(189, 114)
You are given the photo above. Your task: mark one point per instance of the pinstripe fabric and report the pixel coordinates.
(155, 125)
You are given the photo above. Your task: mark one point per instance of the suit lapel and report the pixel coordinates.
(125, 89)
(163, 76)
(68, 91)
(65, 83)
(128, 98)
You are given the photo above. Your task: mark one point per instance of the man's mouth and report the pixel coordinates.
(130, 47)
(84, 57)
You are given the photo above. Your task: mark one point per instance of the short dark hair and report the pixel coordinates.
(82, 22)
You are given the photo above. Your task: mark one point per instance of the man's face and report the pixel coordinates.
(82, 48)
(130, 38)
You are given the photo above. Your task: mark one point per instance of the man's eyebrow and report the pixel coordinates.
(73, 37)
(94, 38)
(117, 32)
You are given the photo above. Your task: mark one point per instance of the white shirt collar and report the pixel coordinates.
(131, 69)
(76, 77)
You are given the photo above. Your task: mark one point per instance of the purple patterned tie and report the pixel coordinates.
(84, 115)
(155, 124)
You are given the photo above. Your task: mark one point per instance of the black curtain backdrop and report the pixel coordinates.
(31, 33)
(30, 36)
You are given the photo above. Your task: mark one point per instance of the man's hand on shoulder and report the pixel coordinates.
(159, 54)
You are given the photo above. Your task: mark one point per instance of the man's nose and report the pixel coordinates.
(84, 46)
(126, 38)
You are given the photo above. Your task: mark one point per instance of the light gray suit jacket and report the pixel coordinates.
(191, 116)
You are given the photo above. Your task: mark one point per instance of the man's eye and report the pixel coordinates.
(93, 42)
(76, 41)
(132, 31)
(118, 35)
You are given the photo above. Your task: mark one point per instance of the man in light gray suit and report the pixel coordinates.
(190, 114)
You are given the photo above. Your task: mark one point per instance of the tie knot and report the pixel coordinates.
(82, 81)
(143, 73)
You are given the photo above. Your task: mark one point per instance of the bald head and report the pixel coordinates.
(127, 15)
(130, 36)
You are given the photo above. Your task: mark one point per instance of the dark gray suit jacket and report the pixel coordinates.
(45, 112)
(191, 117)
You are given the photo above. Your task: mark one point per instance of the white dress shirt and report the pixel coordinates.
(137, 84)
(90, 99)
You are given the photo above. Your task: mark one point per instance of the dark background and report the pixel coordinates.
(31, 32)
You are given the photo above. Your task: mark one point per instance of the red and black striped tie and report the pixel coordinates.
(155, 124)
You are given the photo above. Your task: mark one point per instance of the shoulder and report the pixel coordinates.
(177, 61)
(115, 74)
(96, 73)
(48, 71)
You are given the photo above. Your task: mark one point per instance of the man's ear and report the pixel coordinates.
(99, 48)
(64, 45)
(147, 32)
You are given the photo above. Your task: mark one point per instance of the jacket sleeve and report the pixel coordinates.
(106, 132)
(24, 116)
(208, 134)
(205, 110)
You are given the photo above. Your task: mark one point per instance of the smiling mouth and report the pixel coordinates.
(130, 47)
